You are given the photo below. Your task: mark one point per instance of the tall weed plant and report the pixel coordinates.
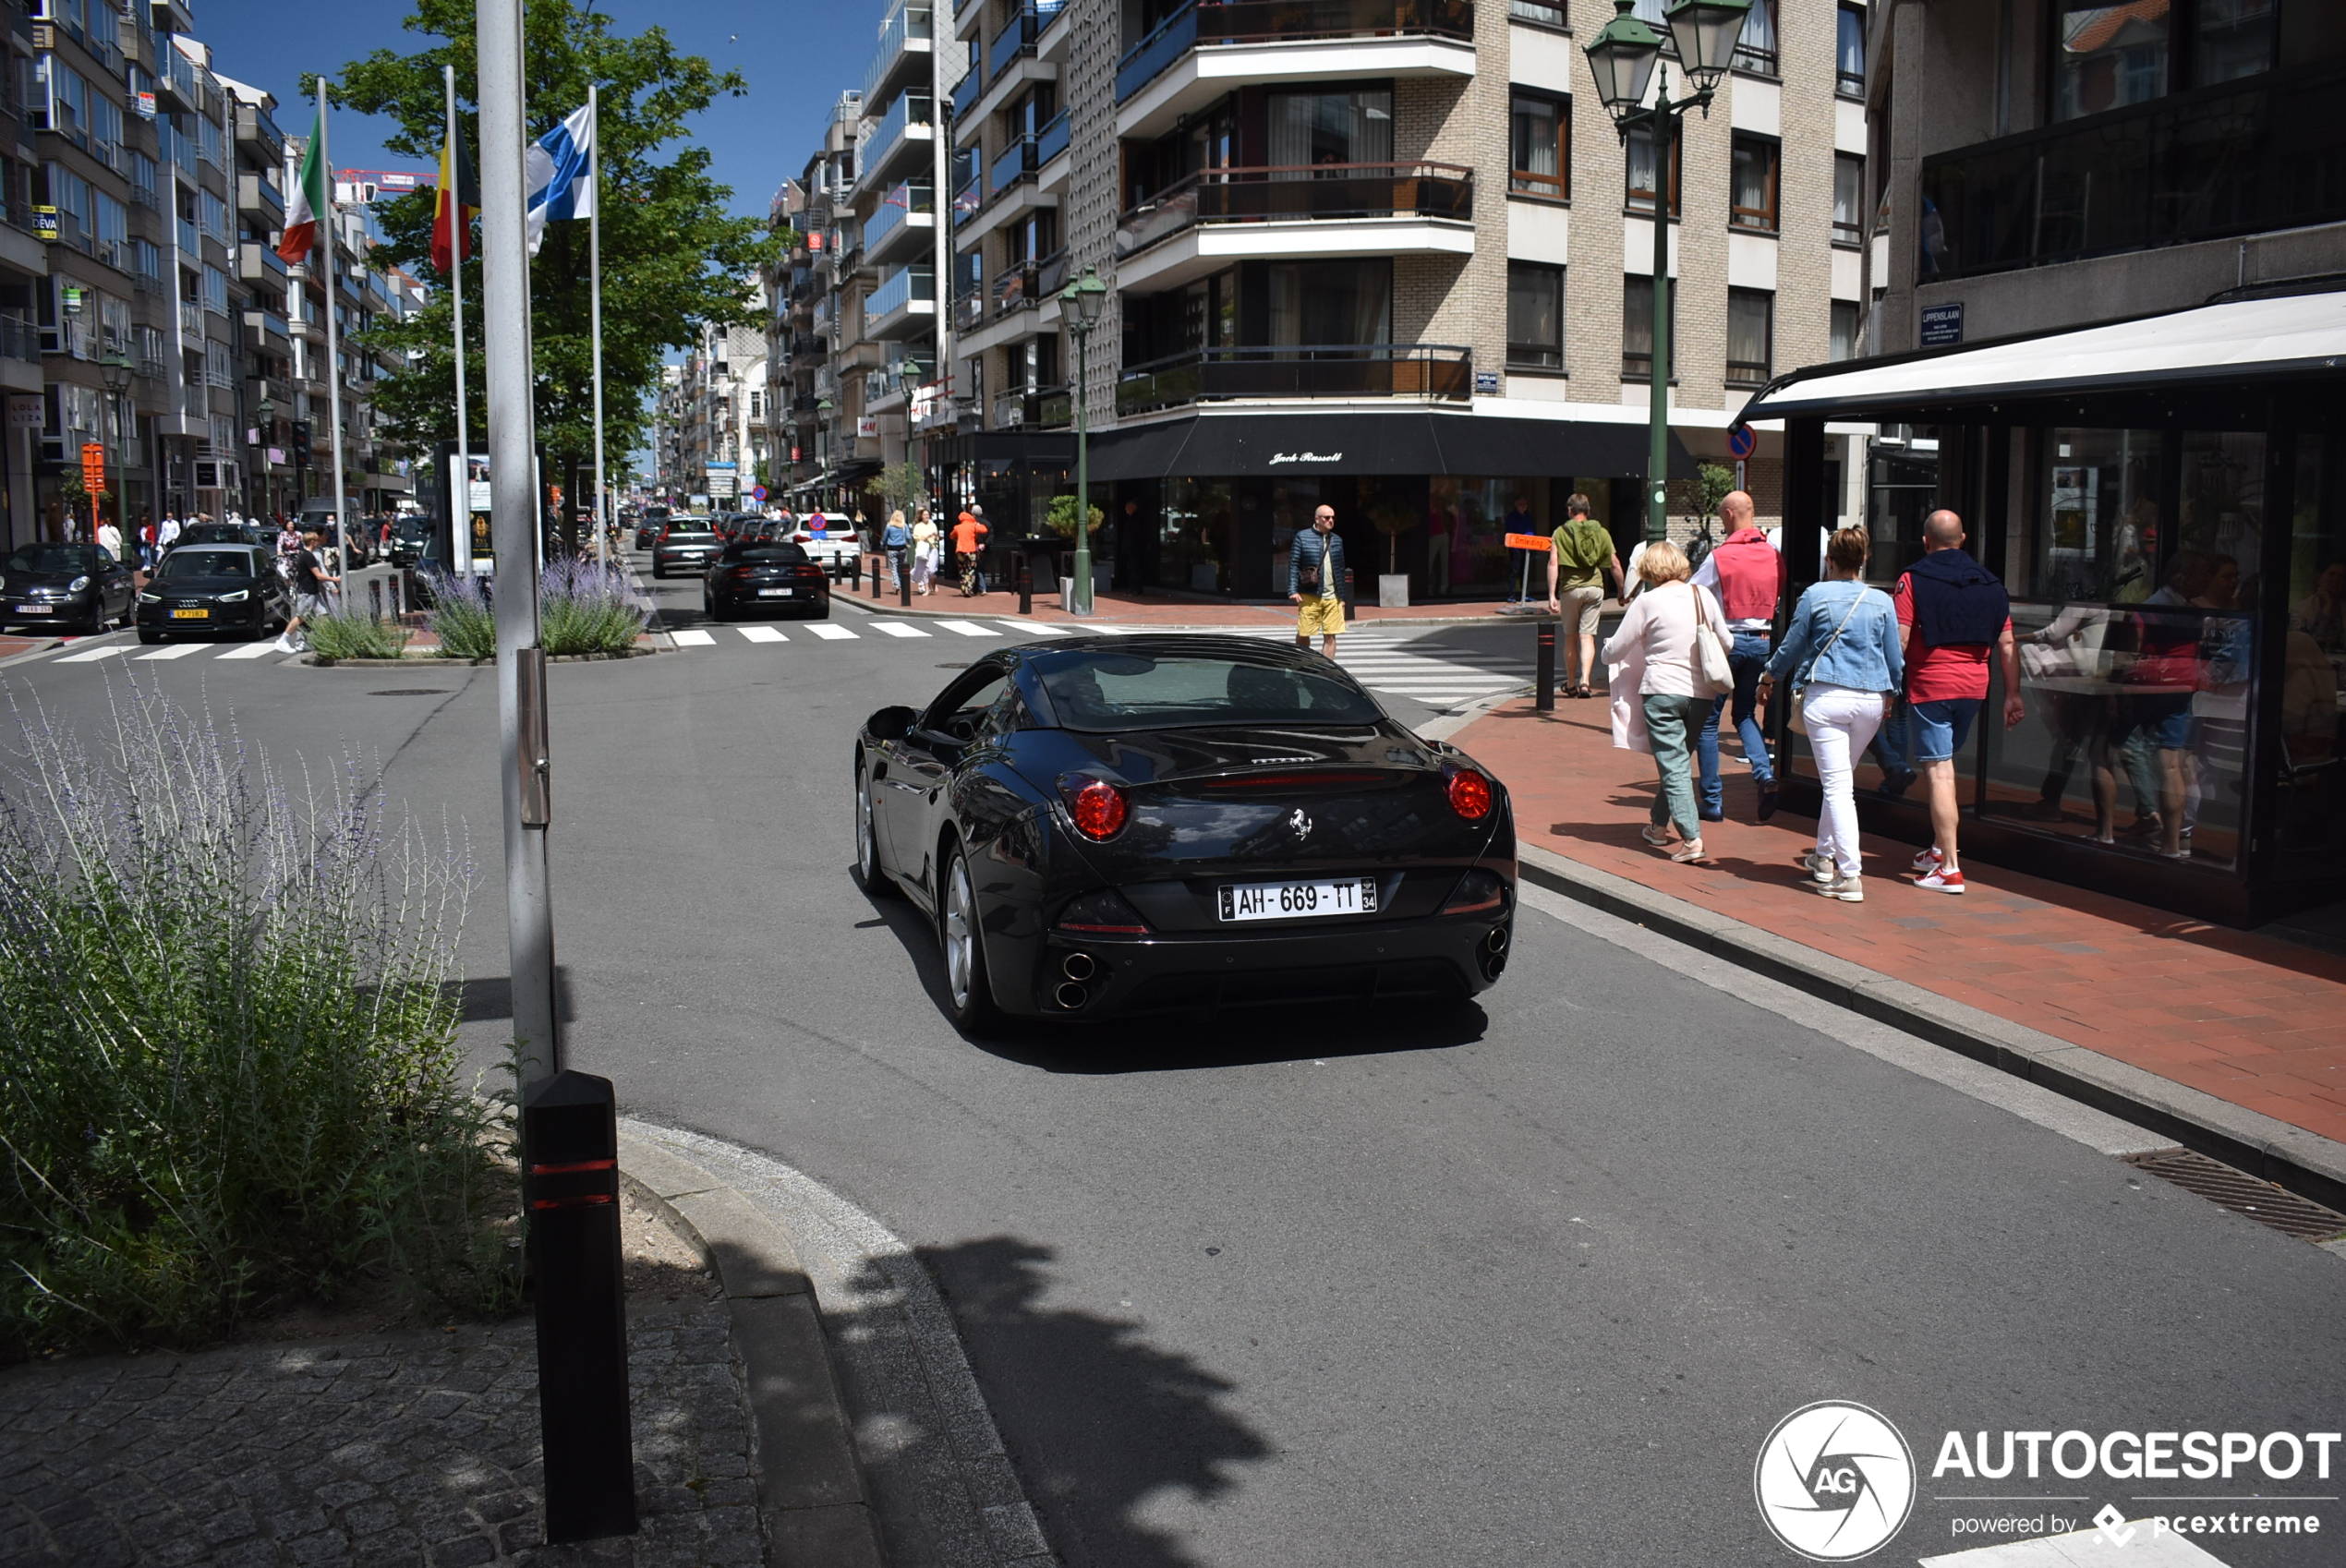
(229, 1073)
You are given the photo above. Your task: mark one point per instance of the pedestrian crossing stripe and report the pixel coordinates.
(898, 629)
(690, 638)
(969, 629)
(762, 634)
(87, 655)
(177, 650)
(253, 650)
(830, 632)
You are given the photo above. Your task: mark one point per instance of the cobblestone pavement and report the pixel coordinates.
(409, 1448)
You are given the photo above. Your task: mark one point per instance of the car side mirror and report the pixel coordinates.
(891, 723)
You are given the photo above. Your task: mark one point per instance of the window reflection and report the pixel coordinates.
(2310, 803)
(2107, 55)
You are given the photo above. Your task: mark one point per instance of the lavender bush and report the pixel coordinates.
(461, 616)
(229, 1073)
(586, 608)
(348, 632)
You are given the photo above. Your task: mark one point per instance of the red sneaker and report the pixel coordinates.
(1941, 881)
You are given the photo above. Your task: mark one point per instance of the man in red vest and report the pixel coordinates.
(1748, 573)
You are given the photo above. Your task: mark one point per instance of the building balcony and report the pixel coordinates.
(259, 201)
(901, 144)
(1428, 373)
(256, 130)
(2244, 157)
(257, 263)
(1016, 161)
(904, 225)
(176, 82)
(904, 305)
(1029, 283)
(1218, 216)
(1034, 408)
(1010, 62)
(268, 332)
(902, 58)
(1206, 49)
(1050, 144)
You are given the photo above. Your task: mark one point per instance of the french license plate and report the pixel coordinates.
(777, 592)
(192, 615)
(36, 609)
(1297, 900)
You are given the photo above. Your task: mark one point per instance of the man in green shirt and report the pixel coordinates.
(1577, 566)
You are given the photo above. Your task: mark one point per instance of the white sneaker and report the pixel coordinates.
(1848, 889)
(285, 644)
(1928, 861)
(1820, 867)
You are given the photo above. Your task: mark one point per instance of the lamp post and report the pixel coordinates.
(266, 412)
(1087, 295)
(114, 370)
(907, 374)
(1623, 57)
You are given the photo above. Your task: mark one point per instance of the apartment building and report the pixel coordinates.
(2108, 304)
(714, 409)
(815, 292)
(1388, 254)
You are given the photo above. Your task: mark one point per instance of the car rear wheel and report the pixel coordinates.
(969, 994)
(868, 870)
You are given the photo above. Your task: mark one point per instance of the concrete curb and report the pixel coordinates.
(810, 1486)
(409, 661)
(2303, 1162)
(887, 605)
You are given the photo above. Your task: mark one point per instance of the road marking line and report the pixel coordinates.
(90, 655)
(761, 634)
(179, 650)
(251, 650)
(969, 628)
(831, 634)
(1037, 629)
(898, 629)
(689, 638)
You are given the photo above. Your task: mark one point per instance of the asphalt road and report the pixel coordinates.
(1527, 1282)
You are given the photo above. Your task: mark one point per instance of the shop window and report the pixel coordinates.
(1751, 336)
(1195, 536)
(1535, 316)
(1467, 521)
(1752, 186)
(2309, 804)
(1540, 138)
(1848, 198)
(1639, 198)
(1637, 330)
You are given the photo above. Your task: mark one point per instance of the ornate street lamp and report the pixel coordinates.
(1086, 295)
(114, 370)
(1623, 57)
(906, 373)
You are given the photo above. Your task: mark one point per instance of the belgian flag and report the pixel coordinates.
(457, 201)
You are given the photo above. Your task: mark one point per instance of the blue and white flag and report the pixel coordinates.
(559, 177)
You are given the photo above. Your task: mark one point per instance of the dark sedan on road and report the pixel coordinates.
(67, 587)
(754, 576)
(208, 589)
(1166, 823)
(686, 549)
(409, 537)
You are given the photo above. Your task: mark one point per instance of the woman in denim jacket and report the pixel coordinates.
(1844, 635)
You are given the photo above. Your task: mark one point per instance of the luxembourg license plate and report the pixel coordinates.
(36, 609)
(777, 592)
(192, 615)
(1297, 900)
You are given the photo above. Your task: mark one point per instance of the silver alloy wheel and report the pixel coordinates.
(960, 934)
(866, 850)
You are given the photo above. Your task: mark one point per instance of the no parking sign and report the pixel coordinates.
(1742, 442)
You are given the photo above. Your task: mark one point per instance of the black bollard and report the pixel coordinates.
(1026, 581)
(570, 1144)
(1546, 676)
(904, 559)
(876, 576)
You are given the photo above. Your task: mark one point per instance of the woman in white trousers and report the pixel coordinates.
(1843, 639)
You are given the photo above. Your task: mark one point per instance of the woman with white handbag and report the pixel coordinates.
(1673, 632)
(1843, 642)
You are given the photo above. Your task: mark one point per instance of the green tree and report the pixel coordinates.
(672, 258)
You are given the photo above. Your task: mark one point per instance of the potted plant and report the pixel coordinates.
(1059, 518)
(1392, 517)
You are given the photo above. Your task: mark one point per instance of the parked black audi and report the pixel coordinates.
(685, 547)
(64, 587)
(754, 576)
(208, 589)
(1176, 824)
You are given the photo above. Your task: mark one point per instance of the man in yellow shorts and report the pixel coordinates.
(1315, 582)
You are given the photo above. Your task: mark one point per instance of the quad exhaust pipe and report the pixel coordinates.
(1078, 966)
(1070, 995)
(1495, 952)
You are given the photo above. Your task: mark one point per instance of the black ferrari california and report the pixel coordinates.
(1181, 823)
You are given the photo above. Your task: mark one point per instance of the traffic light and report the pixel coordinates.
(301, 432)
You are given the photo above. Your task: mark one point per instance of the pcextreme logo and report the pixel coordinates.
(1836, 1481)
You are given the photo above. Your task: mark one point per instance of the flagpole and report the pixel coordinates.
(333, 338)
(595, 290)
(461, 491)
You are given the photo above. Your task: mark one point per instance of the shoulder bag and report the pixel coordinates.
(1710, 667)
(1798, 717)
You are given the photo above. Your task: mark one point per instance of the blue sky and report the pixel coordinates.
(796, 54)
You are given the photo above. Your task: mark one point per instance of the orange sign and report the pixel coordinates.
(94, 467)
(1530, 541)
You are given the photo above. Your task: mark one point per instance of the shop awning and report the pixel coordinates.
(2234, 341)
(1404, 441)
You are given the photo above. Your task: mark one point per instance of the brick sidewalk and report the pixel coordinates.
(2248, 1019)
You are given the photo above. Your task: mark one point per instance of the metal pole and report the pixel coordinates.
(1658, 398)
(1078, 599)
(1546, 702)
(594, 291)
(461, 490)
(513, 523)
(332, 226)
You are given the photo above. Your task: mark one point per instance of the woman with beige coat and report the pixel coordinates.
(1659, 698)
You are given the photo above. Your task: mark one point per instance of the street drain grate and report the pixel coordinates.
(2242, 1193)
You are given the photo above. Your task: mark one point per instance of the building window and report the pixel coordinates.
(1848, 198)
(2232, 41)
(1751, 331)
(1641, 163)
(1752, 188)
(1540, 145)
(1637, 330)
(2106, 57)
(1546, 13)
(1756, 45)
(1535, 316)
(1844, 344)
(1849, 52)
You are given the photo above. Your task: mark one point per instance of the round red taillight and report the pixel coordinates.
(1470, 795)
(1098, 809)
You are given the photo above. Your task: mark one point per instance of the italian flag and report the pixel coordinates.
(310, 200)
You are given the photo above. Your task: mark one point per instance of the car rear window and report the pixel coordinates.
(1117, 689)
(689, 536)
(184, 564)
(767, 554)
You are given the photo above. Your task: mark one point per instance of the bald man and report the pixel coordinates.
(1951, 612)
(1748, 573)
